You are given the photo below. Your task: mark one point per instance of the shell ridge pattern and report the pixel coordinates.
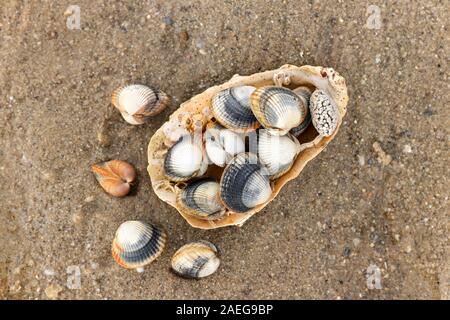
(238, 173)
(150, 248)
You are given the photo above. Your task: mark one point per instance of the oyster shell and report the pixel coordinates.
(196, 113)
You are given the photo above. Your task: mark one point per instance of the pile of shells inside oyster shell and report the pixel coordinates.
(253, 139)
(250, 142)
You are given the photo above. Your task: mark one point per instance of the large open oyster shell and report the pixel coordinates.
(194, 114)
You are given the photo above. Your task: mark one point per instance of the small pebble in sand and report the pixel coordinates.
(184, 36)
(89, 199)
(361, 160)
(377, 58)
(383, 157)
(168, 21)
(77, 217)
(103, 138)
(52, 291)
(407, 148)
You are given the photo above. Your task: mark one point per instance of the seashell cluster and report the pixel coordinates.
(137, 102)
(137, 243)
(115, 176)
(227, 152)
(196, 260)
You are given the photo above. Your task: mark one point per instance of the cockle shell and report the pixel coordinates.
(198, 108)
(137, 243)
(222, 144)
(184, 159)
(324, 113)
(277, 153)
(278, 109)
(305, 94)
(231, 107)
(137, 102)
(245, 183)
(196, 260)
(115, 176)
(201, 199)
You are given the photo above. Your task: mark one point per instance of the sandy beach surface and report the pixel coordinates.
(374, 204)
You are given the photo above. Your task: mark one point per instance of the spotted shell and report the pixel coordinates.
(278, 109)
(201, 199)
(196, 260)
(137, 102)
(231, 108)
(199, 108)
(324, 113)
(137, 243)
(115, 176)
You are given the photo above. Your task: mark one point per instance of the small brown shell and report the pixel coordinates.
(199, 107)
(115, 176)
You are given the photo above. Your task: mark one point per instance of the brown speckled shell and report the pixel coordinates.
(196, 111)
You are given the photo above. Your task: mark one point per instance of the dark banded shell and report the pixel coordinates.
(231, 108)
(324, 113)
(245, 183)
(137, 243)
(278, 109)
(201, 199)
(137, 102)
(196, 260)
(305, 94)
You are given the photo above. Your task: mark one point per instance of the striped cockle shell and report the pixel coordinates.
(277, 153)
(231, 108)
(196, 260)
(222, 144)
(185, 159)
(137, 243)
(278, 109)
(137, 102)
(324, 113)
(201, 199)
(115, 176)
(305, 94)
(245, 183)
